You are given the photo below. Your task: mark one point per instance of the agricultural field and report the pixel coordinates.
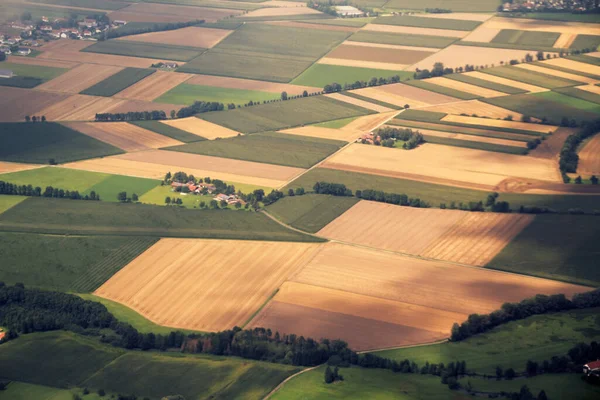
(267, 263)
(361, 101)
(454, 5)
(446, 91)
(16, 103)
(556, 73)
(200, 128)
(465, 87)
(589, 157)
(7, 202)
(29, 76)
(369, 54)
(487, 84)
(117, 82)
(409, 30)
(167, 130)
(144, 50)
(80, 78)
(532, 77)
(488, 79)
(193, 36)
(251, 85)
(187, 94)
(579, 93)
(427, 41)
(39, 143)
(434, 23)
(270, 148)
(153, 86)
(495, 145)
(527, 38)
(320, 75)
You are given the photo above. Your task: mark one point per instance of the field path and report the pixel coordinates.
(278, 387)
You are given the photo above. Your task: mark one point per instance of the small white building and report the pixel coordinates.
(6, 73)
(348, 11)
(23, 51)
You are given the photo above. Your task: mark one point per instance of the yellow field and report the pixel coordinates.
(539, 25)
(379, 94)
(79, 78)
(280, 12)
(560, 74)
(589, 157)
(6, 167)
(465, 87)
(507, 82)
(202, 128)
(470, 138)
(590, 88)
(206, 285)
(79, 107)
(153, 86)
(359, 102)
(249, 84)
(574, 65)
(123, 135)
(347, 135)
(565, 40)
(500, 123)
(390, 46)
(409, 30)
(476, 107)
(369, 122)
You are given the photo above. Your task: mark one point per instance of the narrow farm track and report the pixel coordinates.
(278, 387)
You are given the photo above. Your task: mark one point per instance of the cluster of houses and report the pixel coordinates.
(368, 138)
(546, 5)
(7, 45)
(201, 188)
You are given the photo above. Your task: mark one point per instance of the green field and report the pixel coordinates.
(67, 263)
(29, 391)
(551, 105)
(510, 345)
(119, 81)
(403, 39)
(530, 77)
(62, 359)
(486, 84)
(187, 94)
(336, 123)
(433, 23)
(7, 202)
(462, 129)
(212, 4)
(454, 5)
(284, 114)
(585, 59)
(319, 75)
(114, 184)
(9, 11)
(61, 216)
(431, 193)
(419, 115)
(167, 130)
(144, 50)
(526, 38)
(269, 147)
(38, 143)
(563, 69)
(562, 247)
(591, 42)
(157, 197)
(469, 144)
(580, 94)
(28, 76)
(310, 212)
(432, 87)
(555, 16)
(561, 203)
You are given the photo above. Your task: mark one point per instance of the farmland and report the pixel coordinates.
(153, 86)
(145, 50)
(199, 37)
(589, 160)
(465, 87)
(526, 38)
(454, 5)
(29, 76)
(110, 187)
(167, 130)
(402, 40)
(426, 85)
(372, 54)
(200, 128)
(434, 23)
(468, 142)
(7, 202)
(80, 78)
(531, 77)
(320, 75)
(39, 143)
(271, 148)
(267, 263)
(580, 94)
(477, 81)
(16, 103)
(117, 82)
(63, 178)
(188, 94)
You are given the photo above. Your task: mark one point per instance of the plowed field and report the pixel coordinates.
(79, 107)
(249, 84)
(16, 103)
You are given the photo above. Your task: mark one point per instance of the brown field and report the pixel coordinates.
(414, 30)
(248, 84)
(153, 86)
(507, 82)
(499, 123)
(560, 74)
(123, 135)
(575, 65)
(359, 102)
(434, 284)
(470, 131)
(42, 63)
(316, 312)
(282, 3)
(6, 167)
(589, 157)
(470, 138)
(16, 103)
(475, 107)
(201, 128)
(347, 135)
(145, 12)
(465, 87)
(565, 40)
(455, 56)
(377, 93)
(551, 147)
(461, 16)
(390, 46)
(361, 64)
(78, 107)
(416, 94)
(191, 36)
(454, 165)
(65, 45)
(206, 285)
(306, 25)
(79, 78)
(378, 54)
(280, 12)
(590, 88)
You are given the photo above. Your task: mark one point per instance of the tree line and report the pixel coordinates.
(7, 188)
(389, 135)
(154, 115)
(569, 159)
(336, 87)
(116, 33)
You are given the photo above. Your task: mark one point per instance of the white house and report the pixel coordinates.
(6, 73)
(23, 51)
(348, 11)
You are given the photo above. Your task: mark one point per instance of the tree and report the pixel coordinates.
(134, 197)
(43, 118)
(540, 55)
(52, 161)
(328, 375)
(300, 191)
(223, 203)
(578, 180)
(2, 56)
(406, 106)
(529, 58)
(291, 192)
(305, 94)
(167, 200)
(594, 180)
(27, 118)
(214, 204)
(173, 114)
(542, 396)
(509, 374)
(284, 96)
(34, 119)
(26, 16)
(122, 197)
(238, 205)
(531, 368)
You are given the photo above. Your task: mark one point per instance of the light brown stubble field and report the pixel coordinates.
(378, 54)
(499, 123)
(249, 84)
(202, 128)
(359, 102)
(589, 157)
(6, 167)
(476, 107)
(414, 30)
(507, 82)
(560, 74)
(156, 12)
(79, 107)
(465, 87)
(153, 86)
(79, 78)
(469, 138)
(191, 36)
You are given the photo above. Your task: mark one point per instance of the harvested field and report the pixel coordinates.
(145, 12)
(526, 39)
(434, 284)
(125, 106)
(416, 94)
(316, 25)
(16, 103)
(465, 87)
(202, 128)
(6, 167)
(401, 39)
(574, 65)
(465, 16)
(456, 56)
(78, 107)
(391, 46)
(475, 107)
(153, 86)
(79, 78)
(192, 36)
(415, 30)
(482, 35)
(551, 147)
(365, 322)
(590, 88)
(589, 157)
(507, 82)
(347, 135)
(499, 123)
(565, 40)
(370, 122)
(379, 94)
(470, 138)
(360, 64)
(537, 25)
(248, 84)
(172, 286)
(359, 102)
(123, 135)
(553, 72)
(280, 12)
(378, 54)
(452, 166)
(43, 63)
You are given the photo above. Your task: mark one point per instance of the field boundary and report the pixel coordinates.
(278, 387)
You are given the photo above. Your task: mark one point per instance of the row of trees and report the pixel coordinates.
(199, 107)
(7, 188)
(154, 115)
(569, 159)
(540, 304)
(573, 361)
(35, 118)
(336, 87)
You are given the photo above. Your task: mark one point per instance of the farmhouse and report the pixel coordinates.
(348, 11)
(229, 199)
(23, 51)
(6, 73)
(5, 50)
(592, 369)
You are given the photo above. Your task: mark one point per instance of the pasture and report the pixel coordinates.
(580, 94)
(248, 274)
(110, 187)
(556, 247)
(39, 143)
(7, 202)
(117, 82)
(310, 212)
(59, 216)
(284, 114)
(29, 76)
(201, 129)
(187, 94)
(319, 75)
(80, 78)
(66, 263)
(168, 130)
(270, 148)
(144, 50)
(397, 39)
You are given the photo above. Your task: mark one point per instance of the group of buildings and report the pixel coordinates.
(549, 5)
(207, 188)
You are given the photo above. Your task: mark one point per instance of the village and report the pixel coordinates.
(547, 5)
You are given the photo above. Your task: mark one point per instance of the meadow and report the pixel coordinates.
(561, 247)
(526, 38)
(61, 216)
(117, 82)
(420, 115)
(66, 263)
(403, 40)
(319, 75)
(110, 187)
(433, 23)
(188, 94)
(580, 94)
(167, 130)
(284, 114)
(424, 84)
(531, 77)
(144, 50)
(269, 147)
(486, 84)
(29, 76)
(39, 143)
(310, 212)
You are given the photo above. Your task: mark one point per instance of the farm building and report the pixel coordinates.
(6, 73)
(23, 51)
(348, 11)
(592, 369)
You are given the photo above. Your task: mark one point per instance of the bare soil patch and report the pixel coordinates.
(589, 157)
(476, 107)
(499, 123)
(414, 30)
(378, 54)
(551, 147)
(465, 87)
(191, 36)
(16, 103)
(248, 84)
(358, 102)
(155, 12)
(507, 82)
(153, 86)
(79, 78)
(201, 128)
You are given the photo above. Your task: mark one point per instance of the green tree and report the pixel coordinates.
(542, 396)
(499, 372)
(509, 374)
(328, 375)
(134, 197)
(223, 203)
(214, 204)
(167, 200)
(168, 176)
(594, 180)
(238, 205)
(291, 192)
(284, 96)
(305, 94)
(122, 197)
(27, 118)
(101, 392)
(173, 114)
(578, 180)
(299, 191)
